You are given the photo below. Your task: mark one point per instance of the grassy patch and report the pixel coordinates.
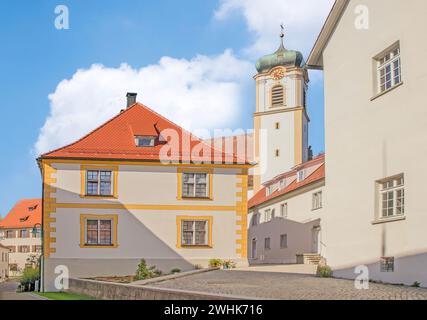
(63, 296)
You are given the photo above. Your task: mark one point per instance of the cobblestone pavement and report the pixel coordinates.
(268, 285)
(8, 292)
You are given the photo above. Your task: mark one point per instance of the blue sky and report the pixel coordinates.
(35, 57)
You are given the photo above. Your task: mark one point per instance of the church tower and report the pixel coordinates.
(280, 120)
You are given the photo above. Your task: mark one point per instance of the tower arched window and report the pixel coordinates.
(277, 96)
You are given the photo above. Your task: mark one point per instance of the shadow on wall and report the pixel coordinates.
(299, 240)
(135, 240)
(407, 269)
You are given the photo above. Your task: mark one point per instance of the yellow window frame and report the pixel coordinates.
(113, 217)
(83, 176)
(208, 171)
(180, 219)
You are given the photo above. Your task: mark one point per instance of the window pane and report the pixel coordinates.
(92, 231)
(105, 232)
(188, 190)
(105, 189)
(92, 188)
(187, 225)
(105, 175)
(187, 238)
(92, 175)
(201, 190)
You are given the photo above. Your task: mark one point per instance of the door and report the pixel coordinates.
(316, 240)
(253, 248)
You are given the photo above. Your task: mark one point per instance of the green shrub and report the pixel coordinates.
(175, 270)
(416, 284)
(215, 263)
(144, 272)
(29, 277)
(324, 271)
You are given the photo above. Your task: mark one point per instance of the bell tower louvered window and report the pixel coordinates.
(277, 96)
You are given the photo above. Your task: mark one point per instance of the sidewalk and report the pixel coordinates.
(8, 292)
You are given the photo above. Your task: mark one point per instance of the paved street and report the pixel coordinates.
(275, 285)
(8, 292)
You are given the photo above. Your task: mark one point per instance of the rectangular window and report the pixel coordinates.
(283, 241)
(99, 183)
(100, 231)
(24, 233)
(195, 185)
(389, 72)
(267, 244)
(392, 197)
(387, 264)
(195, 232)
(317, 200)
(10, 234)
(37, 249)
(23, 249)
(145, 141)
(300, 175)
(267, 215)
(284, 210)
(255, 219)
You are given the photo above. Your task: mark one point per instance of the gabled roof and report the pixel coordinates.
(25, 214)
(261, 196)
(315, 60)
(115, 140)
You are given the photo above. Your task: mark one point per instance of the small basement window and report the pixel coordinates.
(387, 264)
(145, 141)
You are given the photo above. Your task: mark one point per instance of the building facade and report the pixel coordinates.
(376, 138)
(285, 217)
(127, 192)
(4, 263)
(16, 233)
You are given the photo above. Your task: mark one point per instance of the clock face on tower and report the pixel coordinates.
(278, 74)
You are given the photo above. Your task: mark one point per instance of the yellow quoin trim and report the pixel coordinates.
(242, 214)
(49, 208)
(298, 131)
(209, 171)
(84, 217)
(115, 174)
(179, 220)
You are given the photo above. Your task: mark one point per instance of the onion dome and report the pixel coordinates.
(282, 57)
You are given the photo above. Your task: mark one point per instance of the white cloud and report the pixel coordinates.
(303, 20)
(205, 92)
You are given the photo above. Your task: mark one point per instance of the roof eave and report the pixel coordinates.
(315, 61)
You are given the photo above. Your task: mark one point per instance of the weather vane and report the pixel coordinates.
(282, 33)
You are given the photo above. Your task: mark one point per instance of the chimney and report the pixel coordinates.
(131, 99)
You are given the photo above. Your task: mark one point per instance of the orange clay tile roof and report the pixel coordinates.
(115, 140)
(260, 197)
(21, 216)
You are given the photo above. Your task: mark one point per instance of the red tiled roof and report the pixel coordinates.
(115, 140)
(261, 196)
(21, 216)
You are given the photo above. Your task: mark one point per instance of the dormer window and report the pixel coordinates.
(145, 141)
(300, 175)
(23, 219)
(32, 208)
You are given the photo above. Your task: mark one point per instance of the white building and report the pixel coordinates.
(285, 217)
(4, 263)
(16, 234)
(140, 187)
(372, 54)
